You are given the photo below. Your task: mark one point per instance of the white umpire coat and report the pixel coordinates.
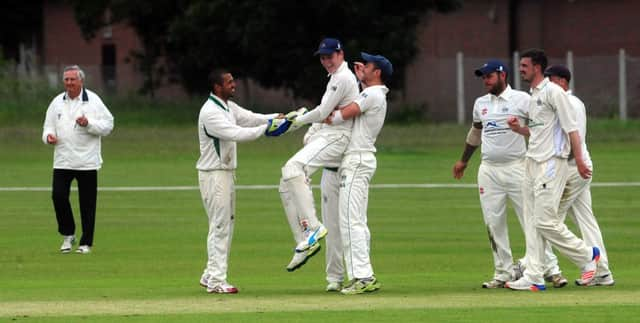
(78, 148)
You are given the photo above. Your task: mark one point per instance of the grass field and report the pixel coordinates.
(429, 246)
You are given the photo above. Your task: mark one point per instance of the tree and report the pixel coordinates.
(270, 41)
(19, 23)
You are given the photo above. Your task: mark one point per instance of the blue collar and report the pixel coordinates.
(85, 96)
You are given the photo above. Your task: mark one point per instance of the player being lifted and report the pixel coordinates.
(325, 149)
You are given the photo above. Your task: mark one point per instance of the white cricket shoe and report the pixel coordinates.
(334, 287)
(494, 283)
(67, 243)
(312, 237)
(204, 280)
(361, 285)
(589, 270)
(557, 279)
(524, 284)
(602, 280)
(301, 257)
(84, 249)
(221, 288)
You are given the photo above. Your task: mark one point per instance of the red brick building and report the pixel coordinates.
(593, 30)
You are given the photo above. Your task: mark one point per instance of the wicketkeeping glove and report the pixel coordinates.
(293, 115)
(277, 127)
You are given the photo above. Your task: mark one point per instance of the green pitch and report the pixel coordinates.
(429, 246)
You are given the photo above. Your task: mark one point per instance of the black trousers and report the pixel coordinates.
(87, 192)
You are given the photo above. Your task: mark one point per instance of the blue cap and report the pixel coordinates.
(328, 46)
(381, 62)
(491, 66)
(558, 70)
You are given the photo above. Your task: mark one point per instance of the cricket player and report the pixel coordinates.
(553, 134)
(357, 169)
(325, 149)
(577, 193)
(501, 171)
(221, 124)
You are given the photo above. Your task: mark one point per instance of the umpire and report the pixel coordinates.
(76, 120)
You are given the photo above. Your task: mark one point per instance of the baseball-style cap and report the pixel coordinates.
(381, 62)
(558, 70)
(328, 46)
(491, 66)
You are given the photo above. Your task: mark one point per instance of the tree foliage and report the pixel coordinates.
(19, 23)
(270, 41)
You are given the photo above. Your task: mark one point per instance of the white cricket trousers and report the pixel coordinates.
(542, 189)
(497, 183)
(295, 191)
(330, 192)
(577, 200)
(355, 174)
(218, 197)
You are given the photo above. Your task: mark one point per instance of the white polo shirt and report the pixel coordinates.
(499, 143)
(373, 109)
(551, 118)
(78, 148)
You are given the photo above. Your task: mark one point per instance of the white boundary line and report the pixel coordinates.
(270, 187)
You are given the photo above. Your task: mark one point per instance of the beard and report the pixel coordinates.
(498, 87)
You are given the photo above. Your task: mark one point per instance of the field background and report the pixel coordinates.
(430, 250)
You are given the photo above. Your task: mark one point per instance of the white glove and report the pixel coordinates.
(293, 115)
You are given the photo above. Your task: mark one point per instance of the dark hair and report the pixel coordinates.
(538, 57)
(215, 76)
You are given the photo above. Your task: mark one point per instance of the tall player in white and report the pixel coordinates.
(357, 169)
(577, 193)
(325, 149)
(501, 171)
(553, 134)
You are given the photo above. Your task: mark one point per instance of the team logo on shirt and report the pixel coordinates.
(481, 189)
(492, 124)
(484, 111)
(505, 110)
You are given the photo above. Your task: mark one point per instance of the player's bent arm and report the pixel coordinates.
(49, 127)
(576, 148)
(102, 124)
(330, 101)
(515, 126)
(349, 112)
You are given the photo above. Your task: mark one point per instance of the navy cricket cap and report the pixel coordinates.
(328, 46)
(380, 61)
(559, 71)
(491, 66)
